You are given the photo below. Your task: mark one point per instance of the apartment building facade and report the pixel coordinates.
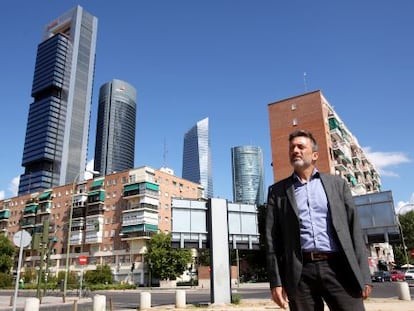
(339, 150)
(110, 219)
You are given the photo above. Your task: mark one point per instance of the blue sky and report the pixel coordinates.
(227, 60)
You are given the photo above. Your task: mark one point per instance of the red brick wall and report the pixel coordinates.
(310, 113)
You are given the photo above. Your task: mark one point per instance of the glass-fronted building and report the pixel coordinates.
(55, 149)
(115, 130)
(197, 157)
(248, 175)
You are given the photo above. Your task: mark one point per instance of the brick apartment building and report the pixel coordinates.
(112, 218)
(339, 151)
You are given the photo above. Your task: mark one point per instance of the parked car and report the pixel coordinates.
(409, 274)
(381, 276)
(397, 275)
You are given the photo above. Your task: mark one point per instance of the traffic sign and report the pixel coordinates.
(22, 238)
(83, 260)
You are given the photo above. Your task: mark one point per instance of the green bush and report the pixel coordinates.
(235, 299)
(102, 275)
(6, 280)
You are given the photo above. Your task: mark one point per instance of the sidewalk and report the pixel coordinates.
(372, 304)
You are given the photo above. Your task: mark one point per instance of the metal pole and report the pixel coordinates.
(19, 266)
(80, 285)
(39, 279)
(238, 267)
(65, 284)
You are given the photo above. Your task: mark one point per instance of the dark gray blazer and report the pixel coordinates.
(284, 254)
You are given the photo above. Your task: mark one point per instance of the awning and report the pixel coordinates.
(45, 195)
(97, 183)
(139, 228)
(30, 209)
(152, 186)
(92, 193)
(4, 214)
(131, 187)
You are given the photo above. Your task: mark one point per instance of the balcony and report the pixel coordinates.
(141, 189)
(76, 237)
(45, 196)
(140, 206)
(96, 196)
(27, 224)
(4, 214)
(44, 208)
(30, 210)
(138, 231)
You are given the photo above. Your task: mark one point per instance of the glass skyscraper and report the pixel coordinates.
(248, 175)
(55, 148)
(115, 130)
(197, 157)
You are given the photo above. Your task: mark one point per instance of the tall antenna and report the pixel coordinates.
(304, 82)
(164, 155)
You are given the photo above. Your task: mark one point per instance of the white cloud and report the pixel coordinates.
(2, 194)
(14, 186)
(405, 207)
(384, 160)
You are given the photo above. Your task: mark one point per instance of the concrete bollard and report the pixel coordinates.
(31, 304)
(99, 303)
(145, 301)
(180, 299)
(403, 291)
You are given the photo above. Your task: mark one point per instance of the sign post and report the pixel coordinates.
(21, 239)
(83, 260)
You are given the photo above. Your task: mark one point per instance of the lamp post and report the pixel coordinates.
(410, 205)
(65, 284)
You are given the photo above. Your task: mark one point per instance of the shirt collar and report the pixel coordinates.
(315, 174)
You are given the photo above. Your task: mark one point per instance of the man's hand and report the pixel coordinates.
(367, 291)
(279, 296)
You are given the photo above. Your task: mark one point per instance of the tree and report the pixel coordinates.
(7, 252)
(102, 275)
(407, 227)
(166, 263)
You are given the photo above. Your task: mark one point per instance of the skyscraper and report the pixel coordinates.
(56, 141)
(248, 175)
(115, 129)
(197, 157)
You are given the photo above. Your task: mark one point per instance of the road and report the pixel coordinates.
(129, 299)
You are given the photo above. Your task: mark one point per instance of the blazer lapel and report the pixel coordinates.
(328, 186)
(290, 193)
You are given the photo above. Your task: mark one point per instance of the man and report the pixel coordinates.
(315, 249)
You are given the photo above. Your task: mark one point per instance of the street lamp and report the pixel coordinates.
(65, 284)
(400, 212)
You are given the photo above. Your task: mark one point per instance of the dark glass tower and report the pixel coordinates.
(55, 148)
(197, 157)
(115, 130)
(248, 175)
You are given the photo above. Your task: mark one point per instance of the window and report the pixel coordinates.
(295, 122)
(293, 106)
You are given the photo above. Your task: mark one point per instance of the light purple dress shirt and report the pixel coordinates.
(316, 231)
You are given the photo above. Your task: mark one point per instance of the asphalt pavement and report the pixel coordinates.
(56, 303)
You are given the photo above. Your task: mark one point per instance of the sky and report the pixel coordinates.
(228, 60)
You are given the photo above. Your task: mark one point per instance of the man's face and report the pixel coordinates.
(301, 153)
